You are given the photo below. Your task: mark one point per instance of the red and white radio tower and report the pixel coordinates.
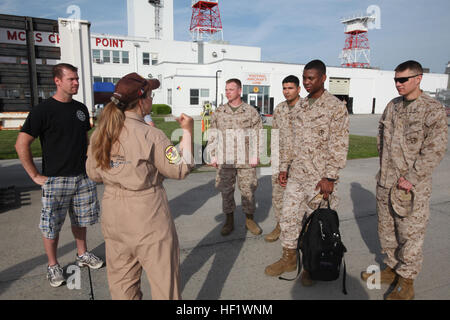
(205, 21)
(356, 53)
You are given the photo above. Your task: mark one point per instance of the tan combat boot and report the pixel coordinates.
(404, 290)
(274, 235)
(251, 225)
(387, 275)
(305, 279)
(287, 263)
(229, 224)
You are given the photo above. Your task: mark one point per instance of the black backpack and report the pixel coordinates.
(321, 247)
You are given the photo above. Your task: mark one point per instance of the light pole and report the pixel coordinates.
(217, 84)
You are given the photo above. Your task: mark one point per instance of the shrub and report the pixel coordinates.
(161, 109)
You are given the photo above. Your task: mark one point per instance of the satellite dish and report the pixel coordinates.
(149, 76)
(214, 54)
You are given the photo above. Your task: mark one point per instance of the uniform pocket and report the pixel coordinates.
(319, 132)
(414, 136)
(246, 123)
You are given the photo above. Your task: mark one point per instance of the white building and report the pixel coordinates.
(190, 71)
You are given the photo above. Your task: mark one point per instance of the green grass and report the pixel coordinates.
(166, 127)
(7, 142)
(7, 145)
(360, 146)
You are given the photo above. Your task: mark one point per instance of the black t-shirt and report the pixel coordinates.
(62, 128)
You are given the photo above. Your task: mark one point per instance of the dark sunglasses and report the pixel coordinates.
(404, 79)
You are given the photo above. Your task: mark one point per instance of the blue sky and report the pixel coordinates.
(295, 31)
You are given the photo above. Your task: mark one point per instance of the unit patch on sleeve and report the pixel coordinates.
(172, 154)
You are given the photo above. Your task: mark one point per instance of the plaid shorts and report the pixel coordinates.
(77, 194)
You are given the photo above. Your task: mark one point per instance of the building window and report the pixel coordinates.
(169, 97)
(204, 93)
(96, 55)
(154, 58)
(146, 58)
(106, 56)
(194, 97)
(115, 80)
(97, 79)
(116, 56)
(125, 58)
(107, 79)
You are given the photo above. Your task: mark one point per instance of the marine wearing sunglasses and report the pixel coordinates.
(404, 79)
(408, 76)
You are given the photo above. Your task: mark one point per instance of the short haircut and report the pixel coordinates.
(410, 65)
(317, 65)
(292, 79)
(234, 80)
(58, 69)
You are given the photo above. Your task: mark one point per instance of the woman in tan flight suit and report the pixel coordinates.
(132, 159)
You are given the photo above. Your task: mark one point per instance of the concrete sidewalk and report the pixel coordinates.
(215, 267)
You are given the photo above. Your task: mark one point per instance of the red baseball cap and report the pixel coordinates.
(131, 87)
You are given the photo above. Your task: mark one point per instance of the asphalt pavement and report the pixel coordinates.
(215, 267)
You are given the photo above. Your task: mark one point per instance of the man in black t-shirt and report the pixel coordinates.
(62, 124)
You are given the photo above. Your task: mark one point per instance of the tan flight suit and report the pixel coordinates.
(412, 141)
(229, 132)
(316, 148)
(137, 225)
(280, 122)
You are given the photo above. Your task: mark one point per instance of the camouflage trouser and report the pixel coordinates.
(402, 239)
(277, 197)
(247, 183)
(295, 206)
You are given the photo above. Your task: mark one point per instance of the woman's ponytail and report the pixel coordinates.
(110, 125)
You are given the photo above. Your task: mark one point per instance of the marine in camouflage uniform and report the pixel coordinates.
(280, 122)
(315, 150)
(229, 130)
(412, 140)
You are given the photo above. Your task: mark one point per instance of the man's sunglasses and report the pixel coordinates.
(404, 79)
